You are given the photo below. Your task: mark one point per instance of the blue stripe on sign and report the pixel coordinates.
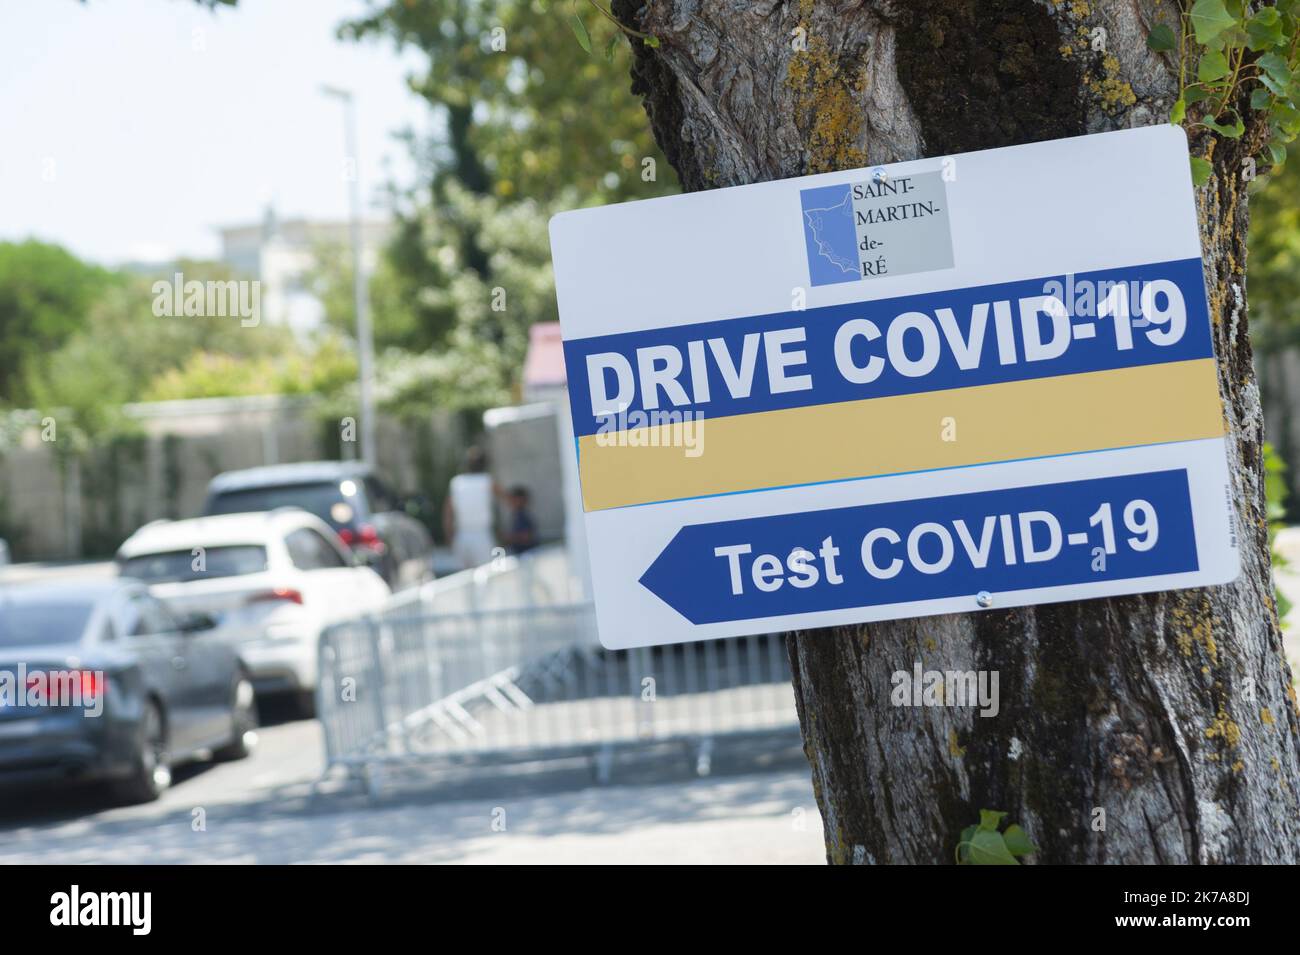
(692, 577)
(1092, 346)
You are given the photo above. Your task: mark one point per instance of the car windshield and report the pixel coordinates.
(324, 499)
(43, 623)
(182, 565)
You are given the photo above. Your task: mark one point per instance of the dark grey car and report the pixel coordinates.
(99, 681)
(347, 495)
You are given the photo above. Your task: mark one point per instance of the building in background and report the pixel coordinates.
(283, 255)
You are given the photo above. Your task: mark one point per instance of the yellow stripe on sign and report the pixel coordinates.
(1123, 407)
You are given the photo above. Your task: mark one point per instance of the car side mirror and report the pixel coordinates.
(197, 622)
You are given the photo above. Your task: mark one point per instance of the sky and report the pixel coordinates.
(131, 130)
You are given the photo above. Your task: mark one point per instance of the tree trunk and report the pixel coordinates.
(1173, 712)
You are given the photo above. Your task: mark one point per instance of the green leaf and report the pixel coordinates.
(989, 820)
(1200, 171)
(1179, 111)
(1286, 117)
(1213, 66)
(1277, 153)
(612, 45)
(1194, 94)
(1231, 130)
(1161, 38)
(1278, 89)
(1017, 841)
(580, 31)
(1209, 19)
(1259, 98)
(1275, 67)
(989, 848)
(1264, 30)
(652, 41)
(963, 847)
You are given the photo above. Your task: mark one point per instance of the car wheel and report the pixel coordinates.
(243, 734)
(150, 773)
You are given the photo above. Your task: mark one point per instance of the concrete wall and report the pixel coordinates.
(55, 504)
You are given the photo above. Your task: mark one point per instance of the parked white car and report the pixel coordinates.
(273, 580)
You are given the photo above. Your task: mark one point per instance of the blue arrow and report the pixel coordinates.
(1014, 539)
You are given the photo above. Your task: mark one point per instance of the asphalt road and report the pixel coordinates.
(266, 810)
(758, 806)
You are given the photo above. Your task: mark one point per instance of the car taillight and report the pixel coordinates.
(364, 537)
(57, 689)
(279, 593)
(92, 684)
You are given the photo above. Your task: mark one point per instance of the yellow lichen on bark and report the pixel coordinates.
(827, 99)
(955, 750)
(1193, 630)
(1224, 728)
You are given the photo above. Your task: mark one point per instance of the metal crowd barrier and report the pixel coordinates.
(429, 682)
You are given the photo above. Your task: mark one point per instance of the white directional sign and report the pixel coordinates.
(939, 386)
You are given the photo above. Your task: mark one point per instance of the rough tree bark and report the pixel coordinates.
(1173, 712)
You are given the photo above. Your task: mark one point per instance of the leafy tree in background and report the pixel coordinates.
(45, 294)
(529, 124)
(119, 348)
(1274, 251)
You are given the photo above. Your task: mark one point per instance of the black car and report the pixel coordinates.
(100, 682)
(349, 497)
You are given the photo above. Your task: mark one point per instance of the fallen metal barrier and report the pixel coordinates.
(418, 685)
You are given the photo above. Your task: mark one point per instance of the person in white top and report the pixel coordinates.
(467, 513)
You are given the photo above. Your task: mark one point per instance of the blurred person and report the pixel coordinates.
(467, 512)
(521, 530)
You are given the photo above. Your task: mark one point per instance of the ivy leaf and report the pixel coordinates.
(1017, 841)
(1209, 19)
(580, 31)
(1259, 98)
(1264, 29)
(1231, 130)
(652, 41)
(989, 820)
(1286, 117)
(1194, 94)
(963, 847)
(1200, 171)
(1277, 153)
(612, 45)
(1213, 66)
(1278, 89)
(1275, 67)
(989, 848)
(1179, 111)
(1161, 38)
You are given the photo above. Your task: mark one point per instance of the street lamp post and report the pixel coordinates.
(365, 339)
